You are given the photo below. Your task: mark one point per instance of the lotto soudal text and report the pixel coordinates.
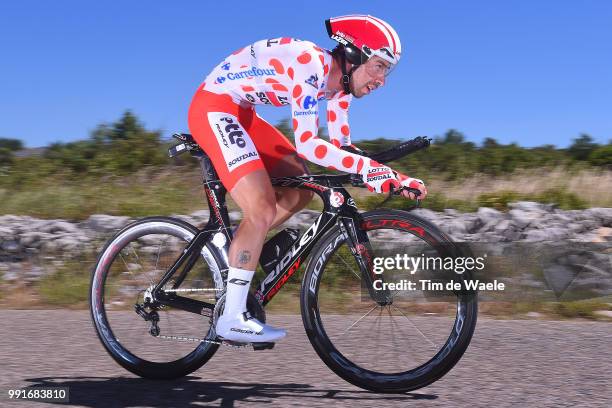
(375, 174)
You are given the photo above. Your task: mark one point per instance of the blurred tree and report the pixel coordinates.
(602, 156)
(582, 147)
(452, 136)
(11, 144)
(6, 156)
(121, 147)
(489, 143)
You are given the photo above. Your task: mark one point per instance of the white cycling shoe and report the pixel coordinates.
(235, 323)
(244, 328)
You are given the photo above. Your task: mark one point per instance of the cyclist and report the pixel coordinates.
(246, 150)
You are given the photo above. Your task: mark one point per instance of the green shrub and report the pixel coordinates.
(602, 156)
(562, 198)
(67, 286)
(498, 199)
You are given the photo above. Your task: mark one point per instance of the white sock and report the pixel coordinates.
(238, 284)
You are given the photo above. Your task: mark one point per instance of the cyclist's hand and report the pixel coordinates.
(378, 177)
(406, 181)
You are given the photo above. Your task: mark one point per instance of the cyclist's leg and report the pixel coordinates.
(217, 125)
(281, 160)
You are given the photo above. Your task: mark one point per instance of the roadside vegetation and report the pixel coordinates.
(123, 169)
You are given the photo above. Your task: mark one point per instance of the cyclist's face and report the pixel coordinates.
(369, 76)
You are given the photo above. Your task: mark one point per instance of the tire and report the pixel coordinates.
(135, 349)
(349, 354)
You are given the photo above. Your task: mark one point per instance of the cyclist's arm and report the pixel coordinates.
(337, 119)
(304, 107)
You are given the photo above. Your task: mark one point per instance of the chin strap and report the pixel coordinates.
(346, 76)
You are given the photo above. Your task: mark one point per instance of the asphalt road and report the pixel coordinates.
(509, 363)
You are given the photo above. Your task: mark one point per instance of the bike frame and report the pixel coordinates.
(339, 209)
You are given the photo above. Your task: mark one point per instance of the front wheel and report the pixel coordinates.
(396, 346)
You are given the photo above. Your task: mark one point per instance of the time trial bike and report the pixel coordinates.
(158, 287)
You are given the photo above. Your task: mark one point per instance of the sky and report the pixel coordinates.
(530, 72)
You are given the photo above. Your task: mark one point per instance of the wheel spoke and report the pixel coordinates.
(350, 267)
(357, 321)
(414, 325)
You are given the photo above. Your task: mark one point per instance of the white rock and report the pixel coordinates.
(105, 223)
(487, 215)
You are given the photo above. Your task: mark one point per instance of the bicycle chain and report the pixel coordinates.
(196, 339)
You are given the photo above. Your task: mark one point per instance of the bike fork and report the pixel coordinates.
(359, 244)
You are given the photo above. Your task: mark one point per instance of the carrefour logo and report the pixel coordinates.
(309, 102)
(253, 72)
(304, 113)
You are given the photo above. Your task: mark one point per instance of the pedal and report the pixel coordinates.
(262, 346)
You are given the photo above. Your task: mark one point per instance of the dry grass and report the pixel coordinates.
(593, 186)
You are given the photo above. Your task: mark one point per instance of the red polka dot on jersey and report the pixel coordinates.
(345, 130)
(295, 124)
(318, 48)
(297, 91)
(359, 165)
(331, 116)
(332, 168)
(336, 143)
(238, 51)
(290, 73)
(321, 59)
(320, 151)
(271, 81)
(279, 87)
(304, 58)
(343, 104)
(348, 162)
(276, 64)
(325, 69)
(247, 88)
(305, 136)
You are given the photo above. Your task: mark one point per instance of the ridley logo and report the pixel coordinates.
(295, 249)
(336, 199)
(284, 279)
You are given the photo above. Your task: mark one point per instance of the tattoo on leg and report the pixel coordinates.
(244, 257)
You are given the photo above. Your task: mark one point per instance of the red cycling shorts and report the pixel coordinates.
(237, 140)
